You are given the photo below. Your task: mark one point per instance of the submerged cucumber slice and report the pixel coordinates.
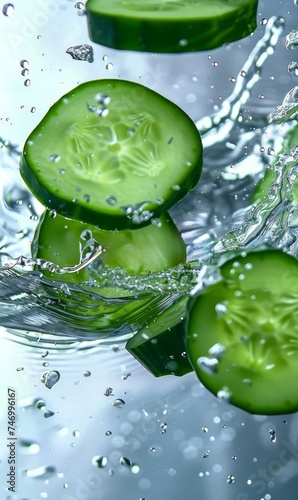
(242, 333)
(64, 242)
(112, 153)
(160, 345)
(169, 25)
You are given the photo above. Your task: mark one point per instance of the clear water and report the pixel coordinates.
(92, 423)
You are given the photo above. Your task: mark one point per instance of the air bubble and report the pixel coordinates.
(27, 82)
(111, 200)
(224, 394)
(221, 309)
(264, 21)
(109, 66)
(80, 8)
(242, 73)
(119, 403)
(231, 479)
(183, 42)
(217, 350)
(272, 435)
(87, 373)
(292, 39)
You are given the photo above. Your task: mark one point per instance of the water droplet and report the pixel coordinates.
(40, 404)
(242, 73)
(232, 79)
(234, 457)
(208, 365)
(62, 171)
(87, 373)
(205, 429)
(20, 368)
(109, 391)
(264, 21)
(24, 63)
(27, 82)
(217, 350)
(41, 472)
(8, 9)
(111, 200)
(109, 66)
(80, 8)
(231, 479)
(108, 433)
(125, 461)
(247, 381)
(215, 64)
(119, 403)
(272, 435)
(224, 394)
(135, 469)
(221, 309)
(293, 68)
(183, 42)
(54, 158)
(48, 414)
(76, 433)
(292, 39)
(100, 461)
(50, 378)
(163, 427)
(87, 198)
(53, 214)
(270, 152)
(29, 447)
(81, 53)
(25, 72)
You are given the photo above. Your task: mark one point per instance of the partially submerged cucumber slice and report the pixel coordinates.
(151, 248)
(160, 345)
(169, 25)
(112, 153)
(242, 333)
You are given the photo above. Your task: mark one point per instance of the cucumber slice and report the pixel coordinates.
(160, 346)
(64, 242)
(169, 25)
(112, 153)
(242, 333)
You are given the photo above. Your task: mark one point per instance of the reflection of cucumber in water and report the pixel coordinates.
(112, 153)
(169, 25)
(263, 186)
(242, 336)
(152, 248)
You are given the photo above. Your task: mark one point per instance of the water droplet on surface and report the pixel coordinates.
(81, 52)
(270, 152)
(217, 350)
(111, 200)
(119, 403)
(183, 42)
(272, 435)
(100, 461)
(215, 64)
(231, 479)
(108, 433)
(264, 22)
(33, 109)
(243, 73)
(206, 454)
(87, 373)
(208, 365)
(205, 429)
(54, 158)
(221, 309)
(8, 9)
(125, 461)
(25, 72)
(76, 433)
(27, 82)
(50, 378)
(293, 68)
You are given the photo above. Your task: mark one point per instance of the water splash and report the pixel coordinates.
(116, 304)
